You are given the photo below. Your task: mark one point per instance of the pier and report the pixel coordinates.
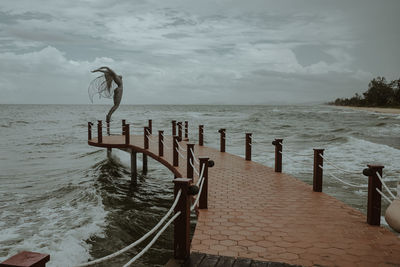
(253, 214)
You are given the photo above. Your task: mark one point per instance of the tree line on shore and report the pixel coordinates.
(380, 93)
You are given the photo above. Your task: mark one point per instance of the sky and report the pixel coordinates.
(197, 52)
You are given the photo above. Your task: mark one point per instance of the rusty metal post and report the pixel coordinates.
(26, 258)
(144, 160)
(179, 131)
(374, 198)
(318, 171)
(133, 166)
(189, 157)
(160, 143)
(151, 126)
(127, 134)
(123, 126)
(146, 137)
(278, 154)
(99, 132)
(203, 202)
(248, 146)
(89, 124)
(222, 139)
(201, 135)
(186, 130)
(182, 222)
(175, 156)
(173, 127)
(108, 128)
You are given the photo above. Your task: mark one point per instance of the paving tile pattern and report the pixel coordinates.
(256, 213)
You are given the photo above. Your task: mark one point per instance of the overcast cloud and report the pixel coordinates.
(186, 52)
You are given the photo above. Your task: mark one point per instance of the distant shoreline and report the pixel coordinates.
(373, 109)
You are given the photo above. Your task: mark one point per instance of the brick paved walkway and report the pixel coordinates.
(256, 213)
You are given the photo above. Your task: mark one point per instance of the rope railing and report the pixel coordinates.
(384, 196)
(198, 195)
(337, 167)
(342, 181)
(180, 147)
(137, 242)
(194, 167)
(179, 153)
(165, 144)
(153, 240)
(200, 176)
(385, 186)
(194, 157)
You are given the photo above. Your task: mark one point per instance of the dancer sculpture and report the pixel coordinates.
(107, 85)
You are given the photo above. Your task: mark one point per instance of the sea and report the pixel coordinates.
(62, 197)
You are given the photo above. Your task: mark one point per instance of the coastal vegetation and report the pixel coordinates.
(380, 93)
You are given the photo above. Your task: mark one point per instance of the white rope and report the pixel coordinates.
(200, 176)
(194, 167)
(165, 144)
(384, 185)
(194, 157)
(292, 159)
(384, 196)
(180, 147)
(180, 154)
(337, 167)
(153, 240)
(198, 196)
(340, 180)
(137, 242)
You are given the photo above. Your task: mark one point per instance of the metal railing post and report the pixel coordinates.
(108, 127)
(248, 146)
(317, 170)
(186, 130)
(123, 126)
(146, 137)
(374, 198)
(222, 139)
(89, 130)
(201, 135)
(278, 154)
(175, 156)
(203, 202)
(99, 132)
(151, 126)
(182, 222)
(127, 134)
(189, 157)
(160, 143)
(173, 127)
(179, 131)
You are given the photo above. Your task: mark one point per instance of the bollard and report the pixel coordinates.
(374, 198)
(189, 157)
(175, 156)
(123, 126)
(151, 126)
(25, 259)
(173, 128)
(186, 130)
(248, 146)
(179, 131)
(278, 154)
(146, 137)
(201, 135)
(222, 139)
(89, 124)
(318, 171)
(203, 202)
(160, 143)
(127, 134)
(99, 132)
(182, 222)
(108, 128)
